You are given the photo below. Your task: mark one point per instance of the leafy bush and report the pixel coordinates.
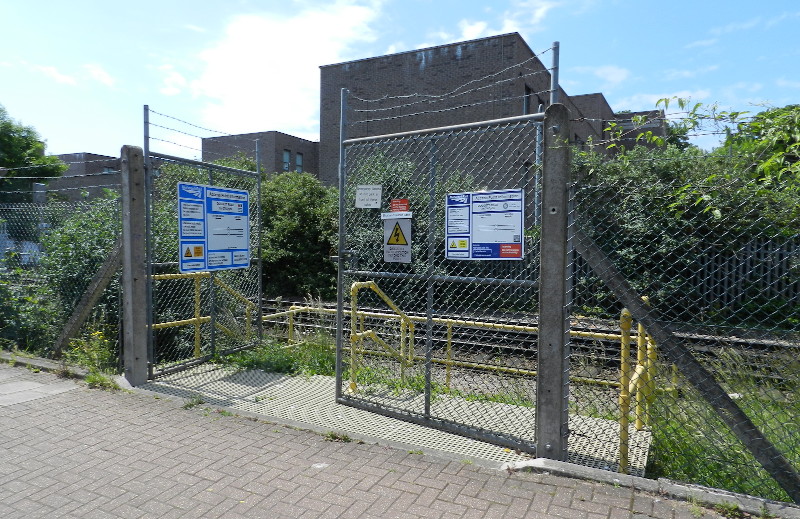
(299, 226)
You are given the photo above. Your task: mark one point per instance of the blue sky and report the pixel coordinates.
(80, 71)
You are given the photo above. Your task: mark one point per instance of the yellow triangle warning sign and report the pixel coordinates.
(188, 253)
(397, 237)
(453, 244)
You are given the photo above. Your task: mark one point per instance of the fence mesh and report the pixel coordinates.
(430, 338)
(49, 253)
(198, 315)
(718, 260)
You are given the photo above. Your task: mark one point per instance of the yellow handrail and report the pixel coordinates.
(625, 324)
(198, 320)
(356, 336)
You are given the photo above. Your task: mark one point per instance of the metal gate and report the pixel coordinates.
(196, 316)
(444, 342)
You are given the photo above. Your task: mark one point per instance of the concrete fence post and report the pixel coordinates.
(553, 370)
(134, 266)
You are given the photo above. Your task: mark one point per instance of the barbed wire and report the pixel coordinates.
(175, 144)
(57, 189)
(437, 99)
(442, 110)
(85, 175)
(39, 166)
(494, 74)
(190, 124)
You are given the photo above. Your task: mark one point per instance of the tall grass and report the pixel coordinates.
(692, 444)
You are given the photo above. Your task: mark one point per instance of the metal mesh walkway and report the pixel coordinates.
(310, 400)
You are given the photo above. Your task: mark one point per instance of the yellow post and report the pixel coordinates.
(449, 364)
(197, 317)
(402, 349)
(652, 357)
(290, 332)
(247, 322)
(625, 324)
(353, 337)
(641, 365)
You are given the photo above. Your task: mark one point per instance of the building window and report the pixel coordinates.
(526, 101)
(298, 162)
(287, 159)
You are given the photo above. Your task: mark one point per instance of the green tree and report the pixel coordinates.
(769, 145)
(22, 147)
(299, 226)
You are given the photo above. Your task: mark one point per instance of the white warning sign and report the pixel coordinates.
(397, 240)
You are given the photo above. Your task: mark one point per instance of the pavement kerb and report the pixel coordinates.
(700, 495)
(682, 491)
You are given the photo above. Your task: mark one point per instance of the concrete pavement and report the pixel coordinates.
(70, 451)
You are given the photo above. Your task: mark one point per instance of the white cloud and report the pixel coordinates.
(736, 26)
(524, 16)
(787, 84)
(54, 74)
(194, 28)
(98, 73)
(473, 30)
(686, 73)
(173, 82)
(611, 75)
(780, 18)
(701, 43)
(648, 101)
(263, 74)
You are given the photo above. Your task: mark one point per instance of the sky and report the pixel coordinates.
(80, 72)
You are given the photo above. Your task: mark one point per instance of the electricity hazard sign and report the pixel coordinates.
(397, 240)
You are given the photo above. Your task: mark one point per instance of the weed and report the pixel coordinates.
(417, 451)
(193, 401)
(224, 412)
(93, 352)
(694, 507)
(316, 356)
(101, 381)
(332, 436)
(467, 461)
(729, 510)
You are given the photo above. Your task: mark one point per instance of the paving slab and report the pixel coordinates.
(90, 453)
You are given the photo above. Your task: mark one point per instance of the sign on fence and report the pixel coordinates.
(397, 237)
(485, 225)
(213, 228)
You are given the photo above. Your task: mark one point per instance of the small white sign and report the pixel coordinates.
(396, 216)
(368, 196)
(397, 240)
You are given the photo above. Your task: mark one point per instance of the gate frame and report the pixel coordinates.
(342, 262)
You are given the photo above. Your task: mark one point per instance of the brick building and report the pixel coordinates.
(88, 175)
(483, 79)
(278, 151)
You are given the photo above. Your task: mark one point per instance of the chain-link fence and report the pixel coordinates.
(59, 276)
(718, 261)
(198, 315)
(427, 338)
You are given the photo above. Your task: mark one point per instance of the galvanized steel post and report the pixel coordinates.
(340, 260)
(554, 75)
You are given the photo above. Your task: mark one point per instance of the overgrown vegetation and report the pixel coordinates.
(662, 213)
(314, 356)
